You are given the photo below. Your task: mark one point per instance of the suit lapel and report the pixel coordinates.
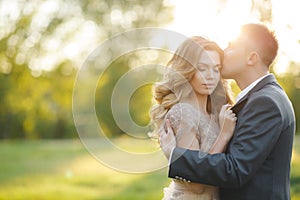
(270, 79)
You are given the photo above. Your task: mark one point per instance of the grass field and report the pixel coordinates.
(63, 169)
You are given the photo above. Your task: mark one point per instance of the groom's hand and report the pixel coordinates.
(167, 140)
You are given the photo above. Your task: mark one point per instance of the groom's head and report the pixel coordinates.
(259, 38)
(254, 49)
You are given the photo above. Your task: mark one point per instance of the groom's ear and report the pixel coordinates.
(252, 58)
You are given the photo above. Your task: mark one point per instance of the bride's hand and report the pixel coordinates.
(167, 139)
(227, 121)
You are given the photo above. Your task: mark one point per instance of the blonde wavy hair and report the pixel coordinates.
(176, 87)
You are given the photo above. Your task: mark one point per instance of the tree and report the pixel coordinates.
(42, 45)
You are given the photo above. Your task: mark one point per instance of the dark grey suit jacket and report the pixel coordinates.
(256, 165)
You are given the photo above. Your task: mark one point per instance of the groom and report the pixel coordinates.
(256, 164)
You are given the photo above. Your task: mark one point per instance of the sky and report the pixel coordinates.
(220, 22)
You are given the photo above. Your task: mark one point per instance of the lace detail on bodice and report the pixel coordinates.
(192, 124)
(186, 118)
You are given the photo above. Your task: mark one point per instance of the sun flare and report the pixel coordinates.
(220, 21)
(217, 21)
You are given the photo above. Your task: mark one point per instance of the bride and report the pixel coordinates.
(195, 101)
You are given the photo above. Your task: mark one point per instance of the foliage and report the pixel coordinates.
(42, 45)
(140, 100)
(290, 81)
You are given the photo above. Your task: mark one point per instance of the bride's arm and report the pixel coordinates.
(227, 121)
(184, 127)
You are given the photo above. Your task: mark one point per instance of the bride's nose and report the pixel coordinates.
(210, 74)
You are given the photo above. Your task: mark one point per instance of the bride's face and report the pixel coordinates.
(207, 74)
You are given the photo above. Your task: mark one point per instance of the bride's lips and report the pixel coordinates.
(208, 85)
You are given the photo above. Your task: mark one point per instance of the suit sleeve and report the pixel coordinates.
(255, 135)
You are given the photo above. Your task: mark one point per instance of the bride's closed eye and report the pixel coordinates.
(203, 68)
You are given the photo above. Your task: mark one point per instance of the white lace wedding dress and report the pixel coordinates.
(185, 120)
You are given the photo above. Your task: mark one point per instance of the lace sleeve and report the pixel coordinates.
(184, 123)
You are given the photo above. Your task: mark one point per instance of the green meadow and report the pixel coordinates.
(63, 169)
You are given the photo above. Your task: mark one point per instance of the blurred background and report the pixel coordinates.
(43, 44)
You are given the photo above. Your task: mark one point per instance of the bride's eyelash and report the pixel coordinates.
(202, 67)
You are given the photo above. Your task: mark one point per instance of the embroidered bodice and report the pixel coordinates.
(184, 117)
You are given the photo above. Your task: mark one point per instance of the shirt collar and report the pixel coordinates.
(248, 88)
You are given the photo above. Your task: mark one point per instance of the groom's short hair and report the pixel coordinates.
(264, 38)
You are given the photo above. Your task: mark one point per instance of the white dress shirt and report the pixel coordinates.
(248, 88)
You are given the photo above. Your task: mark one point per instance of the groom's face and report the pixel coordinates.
(234, 59)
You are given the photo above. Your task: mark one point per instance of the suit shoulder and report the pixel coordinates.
(271, 97)
(270, 93)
